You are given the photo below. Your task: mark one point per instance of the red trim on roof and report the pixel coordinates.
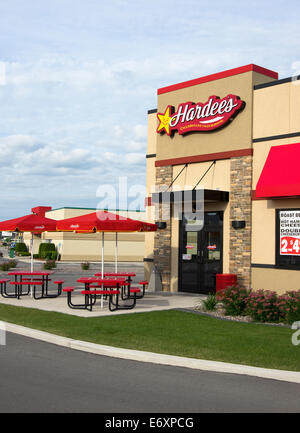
(218, 76)
(280, 176)
(205, 157)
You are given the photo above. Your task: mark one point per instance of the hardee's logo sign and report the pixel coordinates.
(191, 117)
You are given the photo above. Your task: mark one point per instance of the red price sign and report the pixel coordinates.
(290, 246)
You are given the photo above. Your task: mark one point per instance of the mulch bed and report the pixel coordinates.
(219, 313)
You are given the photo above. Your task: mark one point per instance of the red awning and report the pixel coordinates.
(280, 176)
(103, 221)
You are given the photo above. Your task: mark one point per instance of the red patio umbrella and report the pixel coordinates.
(103, 221)
(29, 223)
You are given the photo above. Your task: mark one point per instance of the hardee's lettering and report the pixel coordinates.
(190, 117)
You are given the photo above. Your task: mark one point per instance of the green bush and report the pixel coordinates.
(12, 263)
(267, 306)
(261, 305)
(234, 300)
(292, 310)
(24, 254)
(46, 250)
(49, 264)
(21, 248)
(8, 265)
(85, 266)
(36, 256)
(5, 267)
(210, 303)
(54, 255)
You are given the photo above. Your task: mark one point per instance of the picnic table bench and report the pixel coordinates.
(31, 280)
(96, 288)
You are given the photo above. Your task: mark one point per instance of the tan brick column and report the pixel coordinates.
(162, 241)
(240, 209)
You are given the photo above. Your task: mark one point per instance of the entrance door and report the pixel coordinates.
(200, 254)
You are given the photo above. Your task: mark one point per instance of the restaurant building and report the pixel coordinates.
(234, 135)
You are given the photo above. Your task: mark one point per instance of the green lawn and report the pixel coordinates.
(171, 332)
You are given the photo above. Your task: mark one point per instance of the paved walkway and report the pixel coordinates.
(71, 272)
(151, 302)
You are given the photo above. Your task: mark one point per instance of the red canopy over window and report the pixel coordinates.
(280, 176)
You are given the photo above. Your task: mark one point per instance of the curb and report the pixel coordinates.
(154, 358)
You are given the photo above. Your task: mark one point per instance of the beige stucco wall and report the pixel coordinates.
(276, 110)
(279, 280)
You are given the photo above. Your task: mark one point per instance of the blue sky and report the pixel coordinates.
(81, 75)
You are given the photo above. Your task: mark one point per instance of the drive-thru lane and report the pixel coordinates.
(41, 377)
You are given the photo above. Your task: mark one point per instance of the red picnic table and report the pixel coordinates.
(31, 279)
(127, 275)
(101, 287)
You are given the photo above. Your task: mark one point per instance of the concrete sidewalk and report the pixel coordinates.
(153, 301)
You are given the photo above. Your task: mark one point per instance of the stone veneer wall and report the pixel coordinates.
(240, 209)
(162, 241)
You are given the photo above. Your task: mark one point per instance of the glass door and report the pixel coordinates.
(201, 254)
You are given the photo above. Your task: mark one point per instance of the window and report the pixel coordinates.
(288, 238)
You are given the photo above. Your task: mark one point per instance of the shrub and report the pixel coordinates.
(24, 254)
(12, 263)
(36, 256)
(85, 266)
(210, 303)
(265, 306)
(5, 267)
(8, 265)
(289, 305)
(234, 300)
(46, 250)
(21, 248)
(54, 255)
(49, 264)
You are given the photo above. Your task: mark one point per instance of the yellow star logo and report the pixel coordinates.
(165, 120)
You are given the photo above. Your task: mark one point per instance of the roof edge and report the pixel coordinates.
(218, 76)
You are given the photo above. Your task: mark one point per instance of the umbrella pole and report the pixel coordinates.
(31, 248)
(116, 254)
(102, 266)
(31, 261)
